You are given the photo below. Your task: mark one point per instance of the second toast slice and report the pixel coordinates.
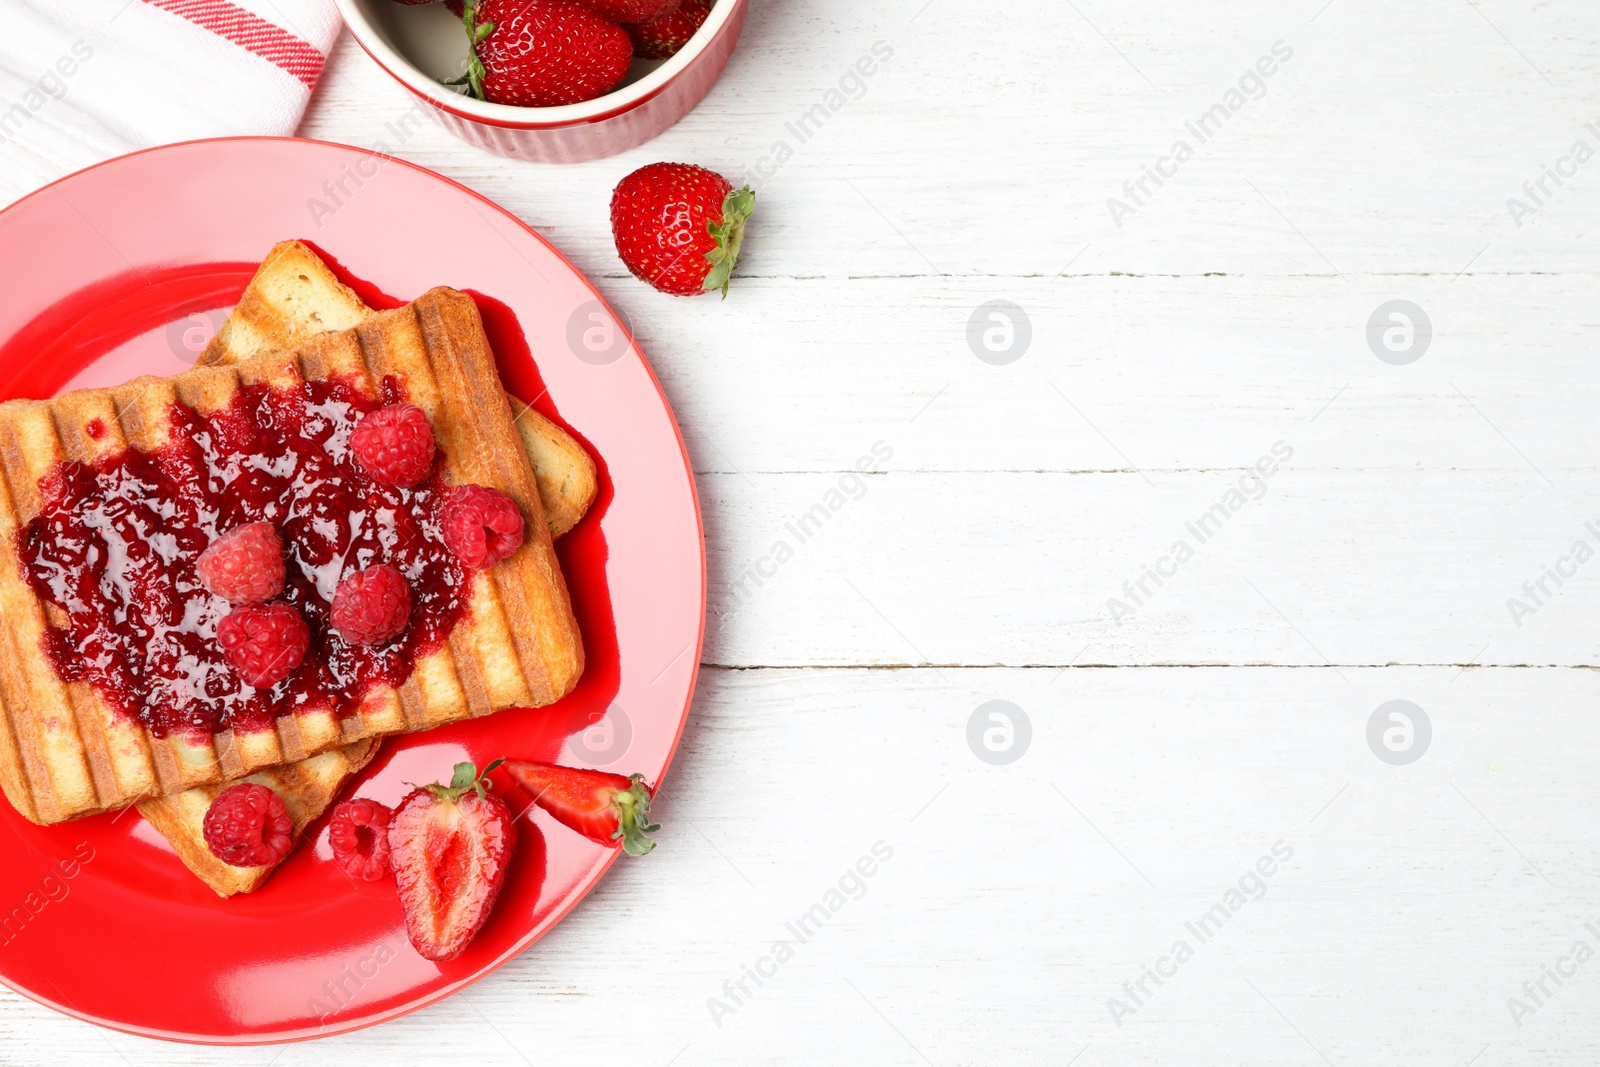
(308, 787)
(295, 296)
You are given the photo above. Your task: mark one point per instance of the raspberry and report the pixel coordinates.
(244, 565)
(481, 526)
(359, 834)
(248, 825)
(265, 643)
(395, 444)
(372, 606)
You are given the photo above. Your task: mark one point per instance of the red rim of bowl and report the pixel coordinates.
(694, 677)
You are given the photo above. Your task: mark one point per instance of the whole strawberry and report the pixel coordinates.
(450, 847)
(630, 10)
(679, 227)
(542, 53)
(663, 36)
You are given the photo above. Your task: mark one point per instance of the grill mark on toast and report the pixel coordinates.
(11, 758)
(198, 392)
(78, 699)
(230, 760)
(369, 355)
(459, 656)
(294, 745)
(238, 752)
(412, 706)
(90, 714)
(57, 769)
(455, 388)
(542, 648)
(141, 409)
(466, 658)
(27, 776)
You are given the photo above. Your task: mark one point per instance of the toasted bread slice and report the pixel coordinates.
(65, 752)
(295, 296)
(307, 787)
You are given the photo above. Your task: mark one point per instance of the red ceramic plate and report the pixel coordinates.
(124, 269)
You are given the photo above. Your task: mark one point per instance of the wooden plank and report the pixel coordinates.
(1403, 919)
(1134, 373)
(1312, 567)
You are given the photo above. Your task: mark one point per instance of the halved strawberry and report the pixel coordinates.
(450, 847)
(602, 807)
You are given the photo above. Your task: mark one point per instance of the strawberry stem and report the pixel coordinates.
(633, 817)
(476, 32)
(736, 211)
(466, 779)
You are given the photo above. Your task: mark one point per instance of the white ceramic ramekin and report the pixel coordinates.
(419, 45)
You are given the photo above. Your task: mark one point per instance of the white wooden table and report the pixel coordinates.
(1221, 718)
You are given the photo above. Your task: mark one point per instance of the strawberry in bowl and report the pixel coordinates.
(542, 53)
(665, 35)
(630, 10)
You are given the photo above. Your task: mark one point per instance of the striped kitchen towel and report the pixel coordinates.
(84, 80)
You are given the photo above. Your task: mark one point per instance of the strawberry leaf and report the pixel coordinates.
(729, 234)
(633, 817)
(466, 779)
(476, 32)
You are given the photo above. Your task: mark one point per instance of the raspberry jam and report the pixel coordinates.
(115, 545)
